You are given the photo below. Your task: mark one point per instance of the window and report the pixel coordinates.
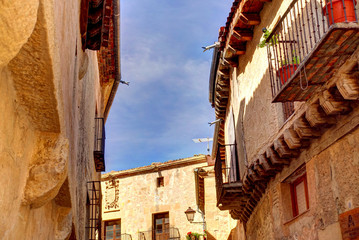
(299, 194)
(232, 165)
(113, 230)
(294, 194)
(160, 182)
(288, 109)
(161, 225)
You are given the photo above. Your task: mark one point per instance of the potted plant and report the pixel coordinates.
(338, 10)
(288, 68)
(193, 236)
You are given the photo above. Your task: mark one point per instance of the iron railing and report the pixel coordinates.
(298, 32)
(224, 175)
(126, 236)
(99, 146)
(171, 233)
(94, 210)
(218, 173)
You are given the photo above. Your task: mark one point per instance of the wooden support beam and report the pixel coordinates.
(233, 61)
(250, 18)
(316, 116)
(293, 140)
(242, 35)
(224, 72)
(283, 150)
(267, 165)
(275, 159)
(260, 170)
(254, 176)
(236, 49)
(304, 130)
(222, 94)
(333, 103)
(265, 0)
(348, 86)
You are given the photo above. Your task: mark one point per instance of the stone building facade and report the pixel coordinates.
(285, 84)
(52, 86)
(142, 203)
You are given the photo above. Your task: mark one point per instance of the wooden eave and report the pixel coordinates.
(244, 15)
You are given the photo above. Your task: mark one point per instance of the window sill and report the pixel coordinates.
(296, 217)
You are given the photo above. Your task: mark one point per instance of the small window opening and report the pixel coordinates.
(160, 182)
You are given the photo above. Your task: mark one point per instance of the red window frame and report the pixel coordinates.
(294, 196)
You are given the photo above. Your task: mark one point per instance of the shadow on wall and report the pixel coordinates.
(257, 117)
(210, 236)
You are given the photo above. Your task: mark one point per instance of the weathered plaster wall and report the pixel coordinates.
(256, 118)
(49, 88)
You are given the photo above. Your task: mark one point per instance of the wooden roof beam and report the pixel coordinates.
(237, 49)
(242, 35)
(250, 18)
(232, 61)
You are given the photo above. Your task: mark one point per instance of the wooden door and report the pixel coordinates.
(161, 226)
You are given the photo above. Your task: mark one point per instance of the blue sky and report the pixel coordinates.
(166, 105)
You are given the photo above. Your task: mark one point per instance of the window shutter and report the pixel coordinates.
(234, 170)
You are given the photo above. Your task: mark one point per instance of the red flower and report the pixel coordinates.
(189, 233)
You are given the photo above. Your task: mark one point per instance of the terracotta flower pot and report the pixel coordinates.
(338, 11)
(285, 72)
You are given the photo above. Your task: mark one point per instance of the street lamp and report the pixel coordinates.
(190, 214)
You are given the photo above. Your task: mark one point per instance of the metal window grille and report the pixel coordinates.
(99, 146)
(297, 34)
(288, 109)
(94, 208)
(171, 233)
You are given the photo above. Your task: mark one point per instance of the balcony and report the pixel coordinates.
(310, 42)
(126, 236)
(99, 147)
(228, 185)
(171, 233)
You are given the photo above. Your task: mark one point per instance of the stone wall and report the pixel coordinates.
(332, 176)
(139, 198)
(46, 134)
(331, 161)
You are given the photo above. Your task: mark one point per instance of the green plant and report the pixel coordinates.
(294, 60)
(194, 235)
(266, 34)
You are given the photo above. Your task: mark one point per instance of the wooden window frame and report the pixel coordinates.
(165, 226)
(294, 196)
(113, 230)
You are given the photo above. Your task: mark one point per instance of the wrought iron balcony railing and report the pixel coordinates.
(126, 236)
(99, 147)
(94, 210)
(171, 233)
(312, 39)
(228, 184)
